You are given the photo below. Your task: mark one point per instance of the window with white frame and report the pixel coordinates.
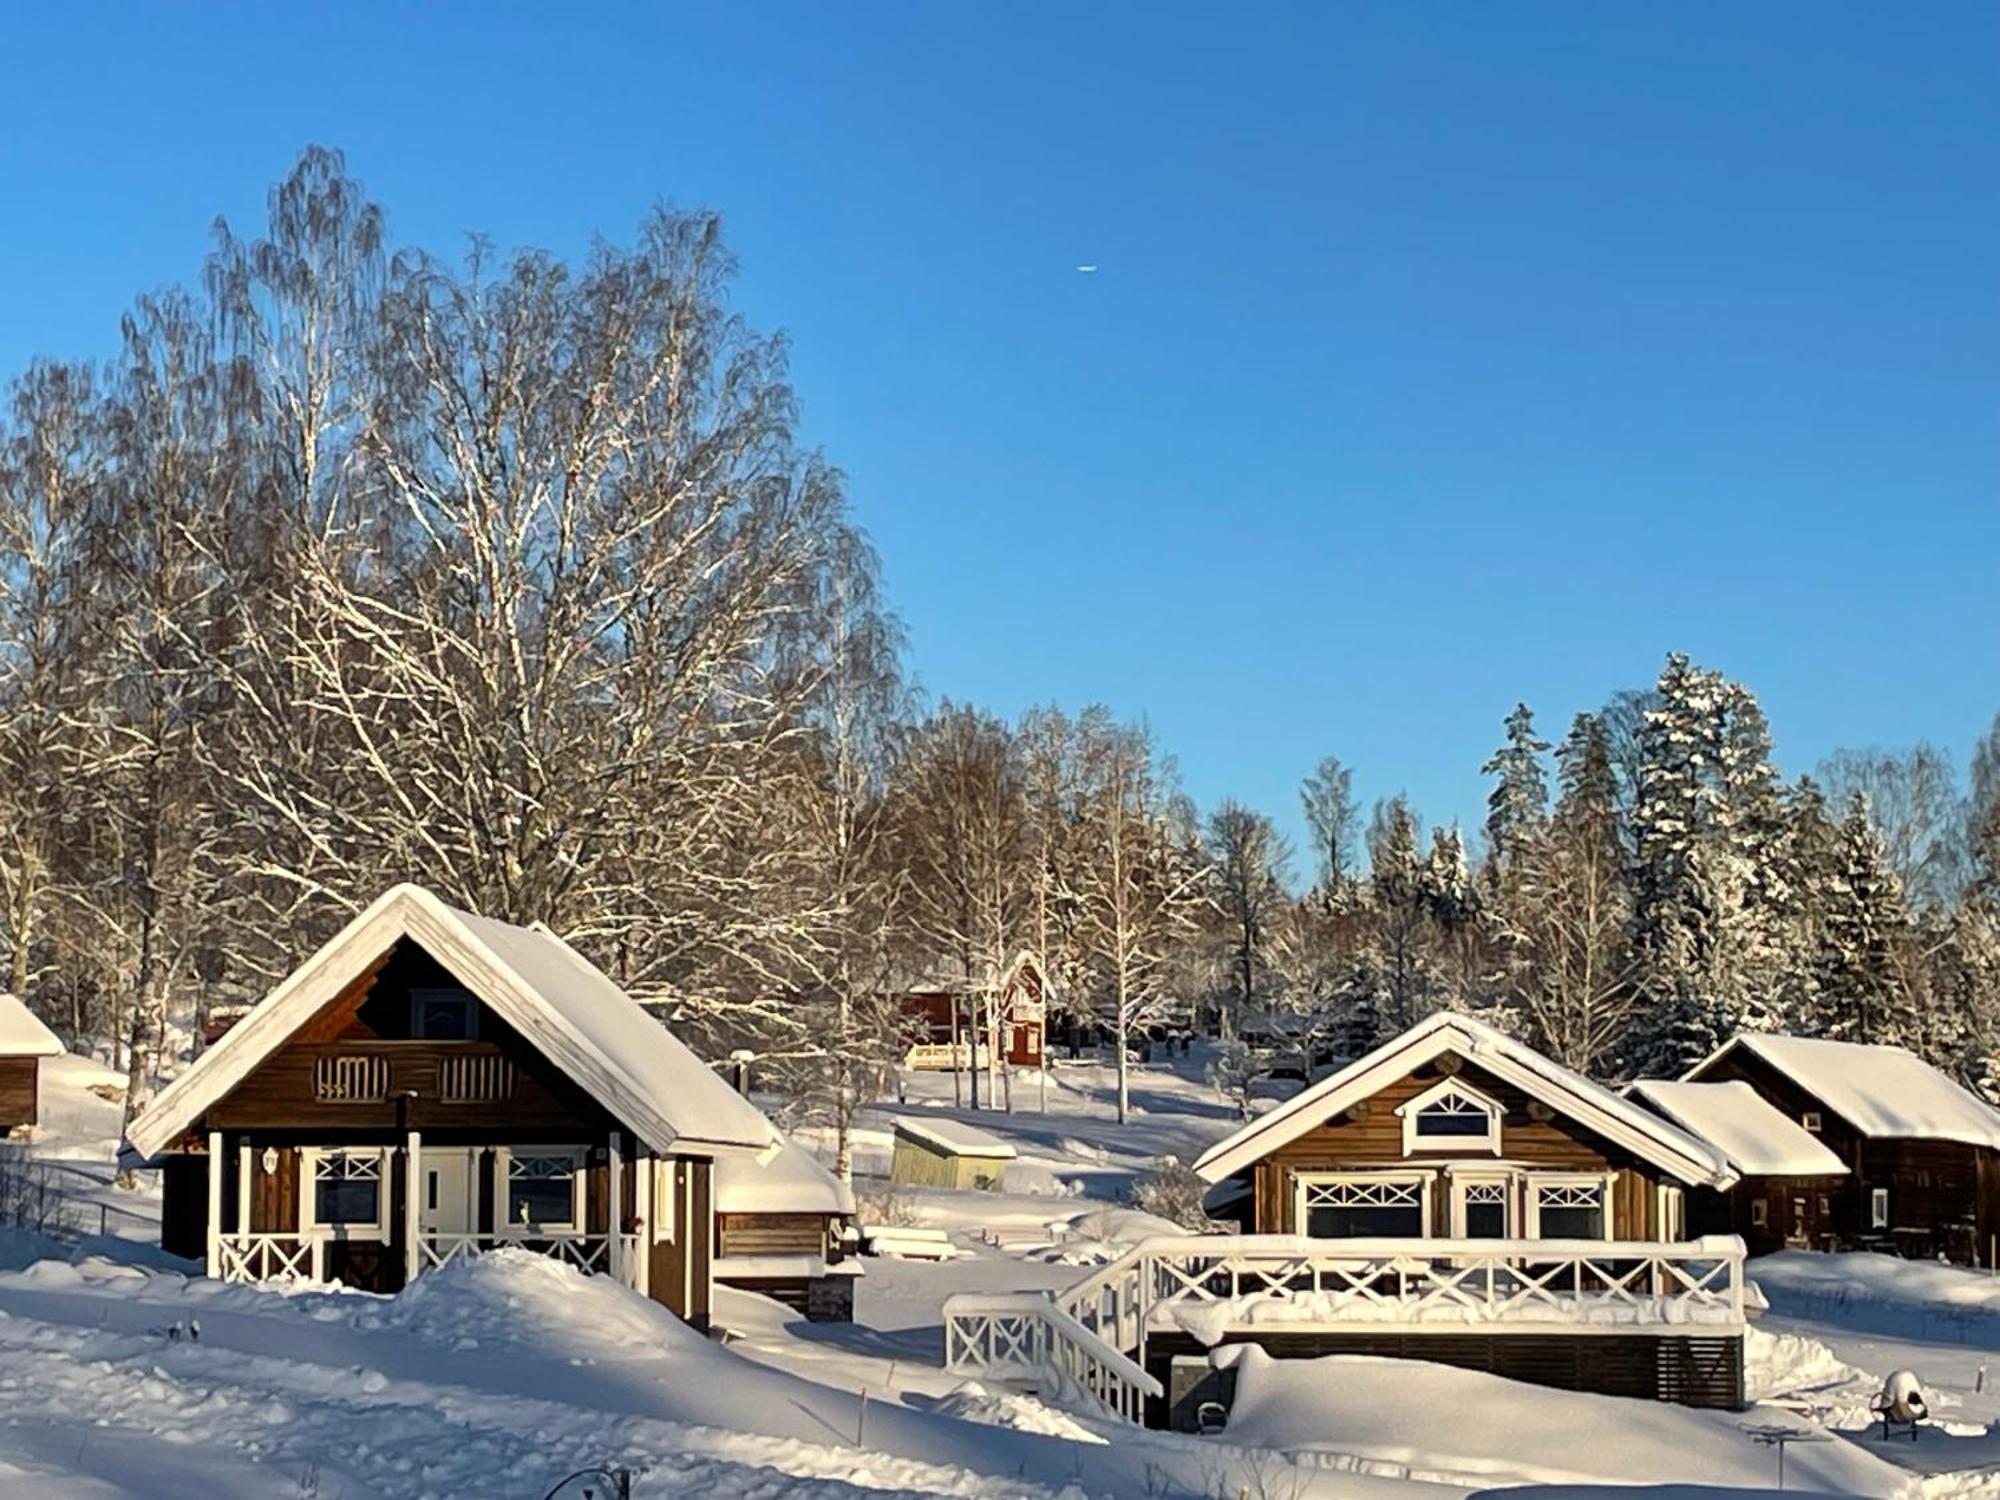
(1482, 1208)
(443, 1015)
(1760, 1213)
(1451, 1117)
(1569, 1207)
(1878, 1208)
(544, 1189)
(1672, 1214)
(1364, 1205)
(1812, 1120)
(347, 1195)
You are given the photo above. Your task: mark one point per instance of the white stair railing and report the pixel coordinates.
(1026, 1337)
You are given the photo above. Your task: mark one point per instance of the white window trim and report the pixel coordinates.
(1536, 1181)
(503, 1164)
(1812, 1120)
(309, 1226)
(1303, 1180)
(418, 998)
(1451, 1088)
(1878, 1208)
(1760, 1213)
(1461, 1179)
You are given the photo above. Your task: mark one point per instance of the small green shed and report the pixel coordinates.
(950, 1154)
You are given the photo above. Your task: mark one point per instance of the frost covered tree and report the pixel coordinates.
(1913, 799)
(1142, 885)
(1517, 807)
(1252, 865)
(1334, 816)
(1861, 992)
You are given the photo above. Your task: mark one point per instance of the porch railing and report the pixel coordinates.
(302, 1257)
(1213, 1286)
(1031, 1339)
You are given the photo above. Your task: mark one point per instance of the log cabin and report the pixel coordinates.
(24, 1042)
(1787, 1178)
(1451, 1196)
(1922, 1152)
(941, 1006)
(431, 1085)
(784, 1227)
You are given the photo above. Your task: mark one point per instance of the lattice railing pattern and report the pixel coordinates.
(351, 1079)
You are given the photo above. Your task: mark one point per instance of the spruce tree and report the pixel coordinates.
(1518, 805)
(1861, 997)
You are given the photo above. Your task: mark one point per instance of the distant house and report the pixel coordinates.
(431, 1085)
(24, 1042)
(1788, 1178)
(948, 1154)
(941, 1004)
(784, 1227)
(1922, 1152)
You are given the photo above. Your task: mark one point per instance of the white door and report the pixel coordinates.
(450, 1203)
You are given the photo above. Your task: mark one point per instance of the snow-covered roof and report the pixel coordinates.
(955, 1138)
(791, 1181)
(560, 1002)
(1758, 1139)
(1883, 1092)
(22, 1033)
(1630, 1125)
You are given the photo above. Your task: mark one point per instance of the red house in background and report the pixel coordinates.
(947, 1008)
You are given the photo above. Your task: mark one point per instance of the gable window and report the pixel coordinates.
(347, 1194)
(1364, 1205)
(443, 1015)
(544, 1190)
(1450, 1117)
(1812, 1121)
(1569, 1206)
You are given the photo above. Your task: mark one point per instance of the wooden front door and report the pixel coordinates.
(450, 1203)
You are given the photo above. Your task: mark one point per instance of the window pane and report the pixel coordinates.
(1365, 1222)
(540, 1190)
(1572, 1223)
(441, 1015)
(1439, 1122)
(1486, 1221)
(347, 1201)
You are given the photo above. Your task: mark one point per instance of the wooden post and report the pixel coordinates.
(642, 1216)
(215, 1203)
(243, 1187)
(413, 1206)
(614, 1214)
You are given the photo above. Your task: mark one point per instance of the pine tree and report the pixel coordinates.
(1518, 805)
(1861, 997)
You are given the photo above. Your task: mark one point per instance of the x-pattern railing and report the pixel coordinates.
(268, 1257)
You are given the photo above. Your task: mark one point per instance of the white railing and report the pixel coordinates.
(587, 1252)
(270, 1257)
(1026, 1337)
(1212, 1286)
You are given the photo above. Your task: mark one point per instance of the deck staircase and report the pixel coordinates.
(1085, 1346)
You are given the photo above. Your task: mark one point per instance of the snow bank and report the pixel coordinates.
(1462, 1427)
(973, 1402)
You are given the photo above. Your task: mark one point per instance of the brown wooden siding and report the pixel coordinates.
(20, 1079)
(1944, 1196)
(770, 1234)
(1370, 1136)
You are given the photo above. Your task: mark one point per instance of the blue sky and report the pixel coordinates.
(1440, 355)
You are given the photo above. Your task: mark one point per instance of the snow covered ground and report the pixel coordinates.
(498, 1377)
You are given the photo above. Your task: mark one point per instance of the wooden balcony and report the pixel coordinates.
(365, 1083)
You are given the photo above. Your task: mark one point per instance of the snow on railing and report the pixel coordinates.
(1026, 1336)
(270, 1257)
(281, 1257)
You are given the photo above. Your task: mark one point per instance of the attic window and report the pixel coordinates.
(1811, 1120)
(1451, 1117)
(443, 1016)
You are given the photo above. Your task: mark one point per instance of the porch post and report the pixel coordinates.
(614, 1244)
(642, 1218)
(215, 1204)
(413, 1206)
(243, 1187)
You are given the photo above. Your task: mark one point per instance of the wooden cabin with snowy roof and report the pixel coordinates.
(1787, 1177)
(944, 1008)
(24, 1042)
(1452, 1196)
(431, 1085)
(1922, 1152)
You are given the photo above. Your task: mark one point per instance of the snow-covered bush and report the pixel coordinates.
(1172, 1191)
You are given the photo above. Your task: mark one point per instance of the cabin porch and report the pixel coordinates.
(1521, 1307)
(375, 1210)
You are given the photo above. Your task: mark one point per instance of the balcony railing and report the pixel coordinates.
(351, 1079)
(480, 1078)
